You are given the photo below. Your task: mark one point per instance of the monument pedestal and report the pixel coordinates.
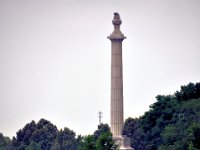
(123, 142)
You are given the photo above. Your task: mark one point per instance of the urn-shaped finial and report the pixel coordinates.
(116, 34)
(116, 20)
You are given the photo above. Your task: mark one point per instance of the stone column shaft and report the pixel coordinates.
(117, 113)
(116, 106)
(117, 118)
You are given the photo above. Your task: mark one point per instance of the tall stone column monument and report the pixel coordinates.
(117, 112)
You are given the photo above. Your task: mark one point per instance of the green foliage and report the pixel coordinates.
(194, 134)
(190, 91)
(171, 123)
(133, 130)
(105, 142)
(100, 140)
(33, 146)
(4, 142)
(102, 128)
(43, 133)
(169, 134)
(66, 139)
(88, 143)
(103, 138)
(45, 136)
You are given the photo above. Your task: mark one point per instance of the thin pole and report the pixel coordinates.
(100, 116)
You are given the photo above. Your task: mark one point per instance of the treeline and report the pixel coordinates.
(45, 136)
(172, 123)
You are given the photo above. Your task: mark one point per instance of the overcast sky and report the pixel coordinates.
(55, 58)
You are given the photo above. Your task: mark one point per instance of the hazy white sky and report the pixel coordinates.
(55, 58)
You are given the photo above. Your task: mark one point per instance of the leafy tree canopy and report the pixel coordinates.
(100, 140)
(41, 134)
(4, 142)
(66, 139)
(172, 122)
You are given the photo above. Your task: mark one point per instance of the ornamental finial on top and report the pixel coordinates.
(116, 34)
(116, 20)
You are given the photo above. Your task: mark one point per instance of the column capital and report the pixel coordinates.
(116, 34)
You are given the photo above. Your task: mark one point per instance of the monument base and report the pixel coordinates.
(123, 142)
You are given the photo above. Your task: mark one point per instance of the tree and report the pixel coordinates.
(187, 92)
(169, 123)
(105, 142)
(43, 133)
(88, 143)
(132, 129)
(33, 146)
(66, 139)
(103, 138)
(102, 128)
(4, 142)
(100, 140)
(194, 135)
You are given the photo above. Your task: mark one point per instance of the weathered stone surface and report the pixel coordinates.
(116, 38)
(117, 112)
